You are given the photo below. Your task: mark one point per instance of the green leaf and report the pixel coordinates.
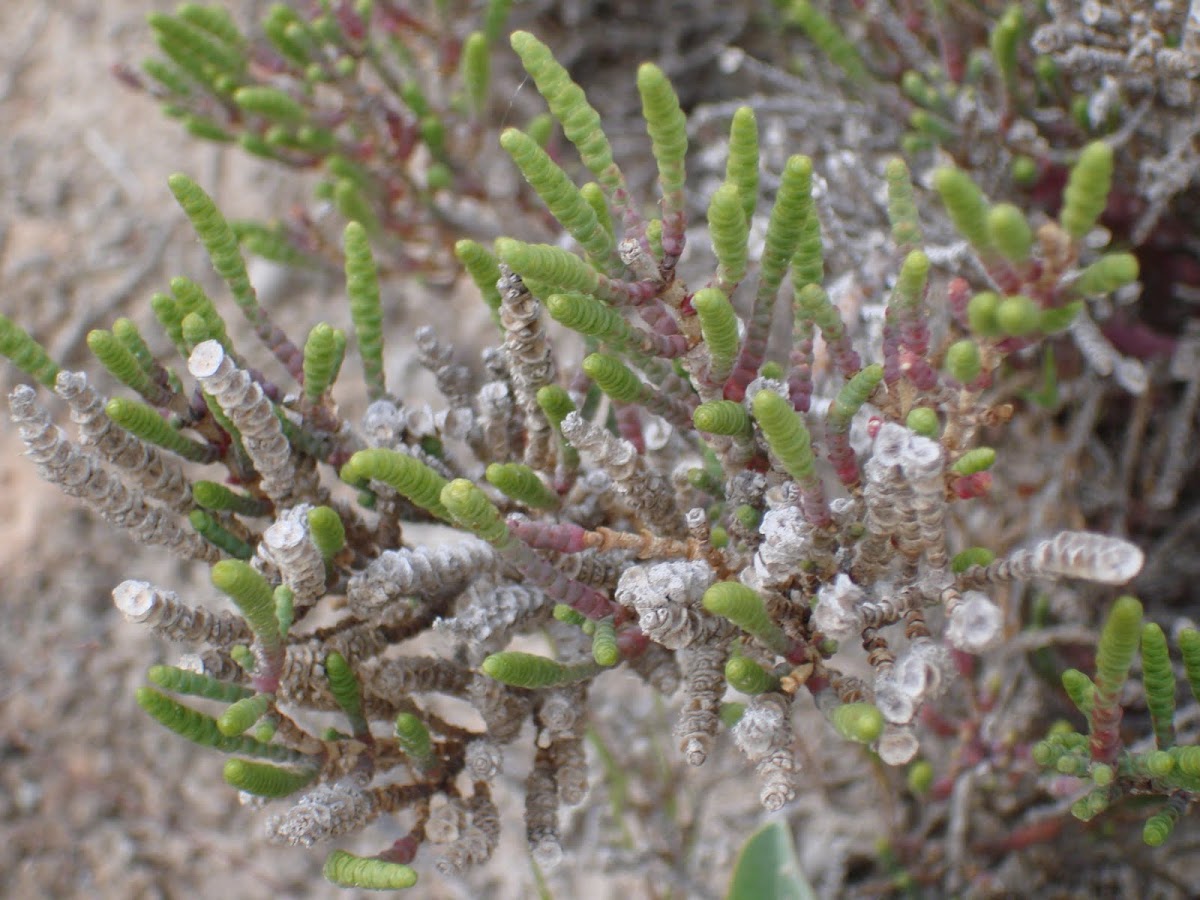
(767, 868)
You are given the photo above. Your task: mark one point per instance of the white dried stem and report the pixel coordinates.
(326, 812)
(667, 598)
(161, 476)
(530, 364)
(398, 574)
(251, 412)
(703, 687)
(81, 475)
(572, 765)
(541, 811)
(504, 710)
(491, 616)
(484, 760)
(163, 612)
(301, 567)
(453, 380)
(648, 493)
(1069, 554)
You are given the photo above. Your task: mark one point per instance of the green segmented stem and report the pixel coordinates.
(1009, 232)
(470, 508)
(267, 241)
(901, 206)
(966, 206)
(527, 670)
(1086, 193)
(1004, 42)
(812, 304)
(745, 608)
(981, 314)
(593, 195)
(226, 257)
(1107, 274)
(270, 103)
(266, 780)
(217, 497)
(722, 417)
(484, 271)
(166, 311)
(963, 361)
(741, 166)
(177, 82)
(614, 378)
(853, 395)
(195, 330)
(131, 339)
(321, 361)
(568, 104)
(748, 677)
(408, 476)
(219, 536)
(242, 714)
(1159, 680)
(979, 459)
(252, 595)
(522, 484)
(590, 317)
(204, 55)
(785, 433)
(924, 421)
(569, 616)
(343, 684)
(276, 24)
(143, 422)
(124, 366)
(285, 608)
(25, 353)
(718, 326)
(910, 285)
(213, 19)
(1114, 656)
(823, 32)
(347, 870)
(1160, 825)
(562, 271)
(667, 127)
(561, 197)
(1189, 648)
(413, 738)
(202, 729)
(476, 70)
(604, 643)
(327, 531)
(808, 262)
(1019, 315)
(859, 722)
(556, 404)
(1081, 690)
(197, 684)
(729, 231)
(354, 204)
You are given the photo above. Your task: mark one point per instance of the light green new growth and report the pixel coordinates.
(667, 127)
(1087, 189)
(203, 55)
(124, 366)
(270, 103)
(285, 608)
(216, 534)
(252, 594)
(144, 422)
(202, 729)
(978, 459)
(718, 325)
(591, 317)
(785, 433)
(362, 288)
(1004, 42)
(729, 231)
(527, 670)
(343, 684)
(604, 644)
(1107, 274)
(322, 359)
(195, 330)
(722, 417)
(748, 677)
(326, 530)
(413, 738)
(476, 70)
(1159, 826)
(561, 197)
(1009, 231)
(197, 684)
(25, 353)
(923, 421)
(593, 194)
(902, 208)
(347, 870)
(853, 395)
(963, 361)
(484, 271)
(981, 314)
(569, 616)
(1118, 644)
(264, 779)
(495, 17)
(614, 378)
(558, 269)
(556, 404)
(920, 777)
(1081, 690)
(793, 206)
(741, 166)
(522, 484)
(823, 32)
(808, 263)
(744, 608)
(1159, 680)
(1018, 315)
(213, 19)
(470, 508)
(966, 206)
(242, 714)
(409, 477)
(217, 497)
(859, 722)
(1189, 648)
(812, 304)
(131, 339)
(580, 122)
(972, 556)
(910, 285)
